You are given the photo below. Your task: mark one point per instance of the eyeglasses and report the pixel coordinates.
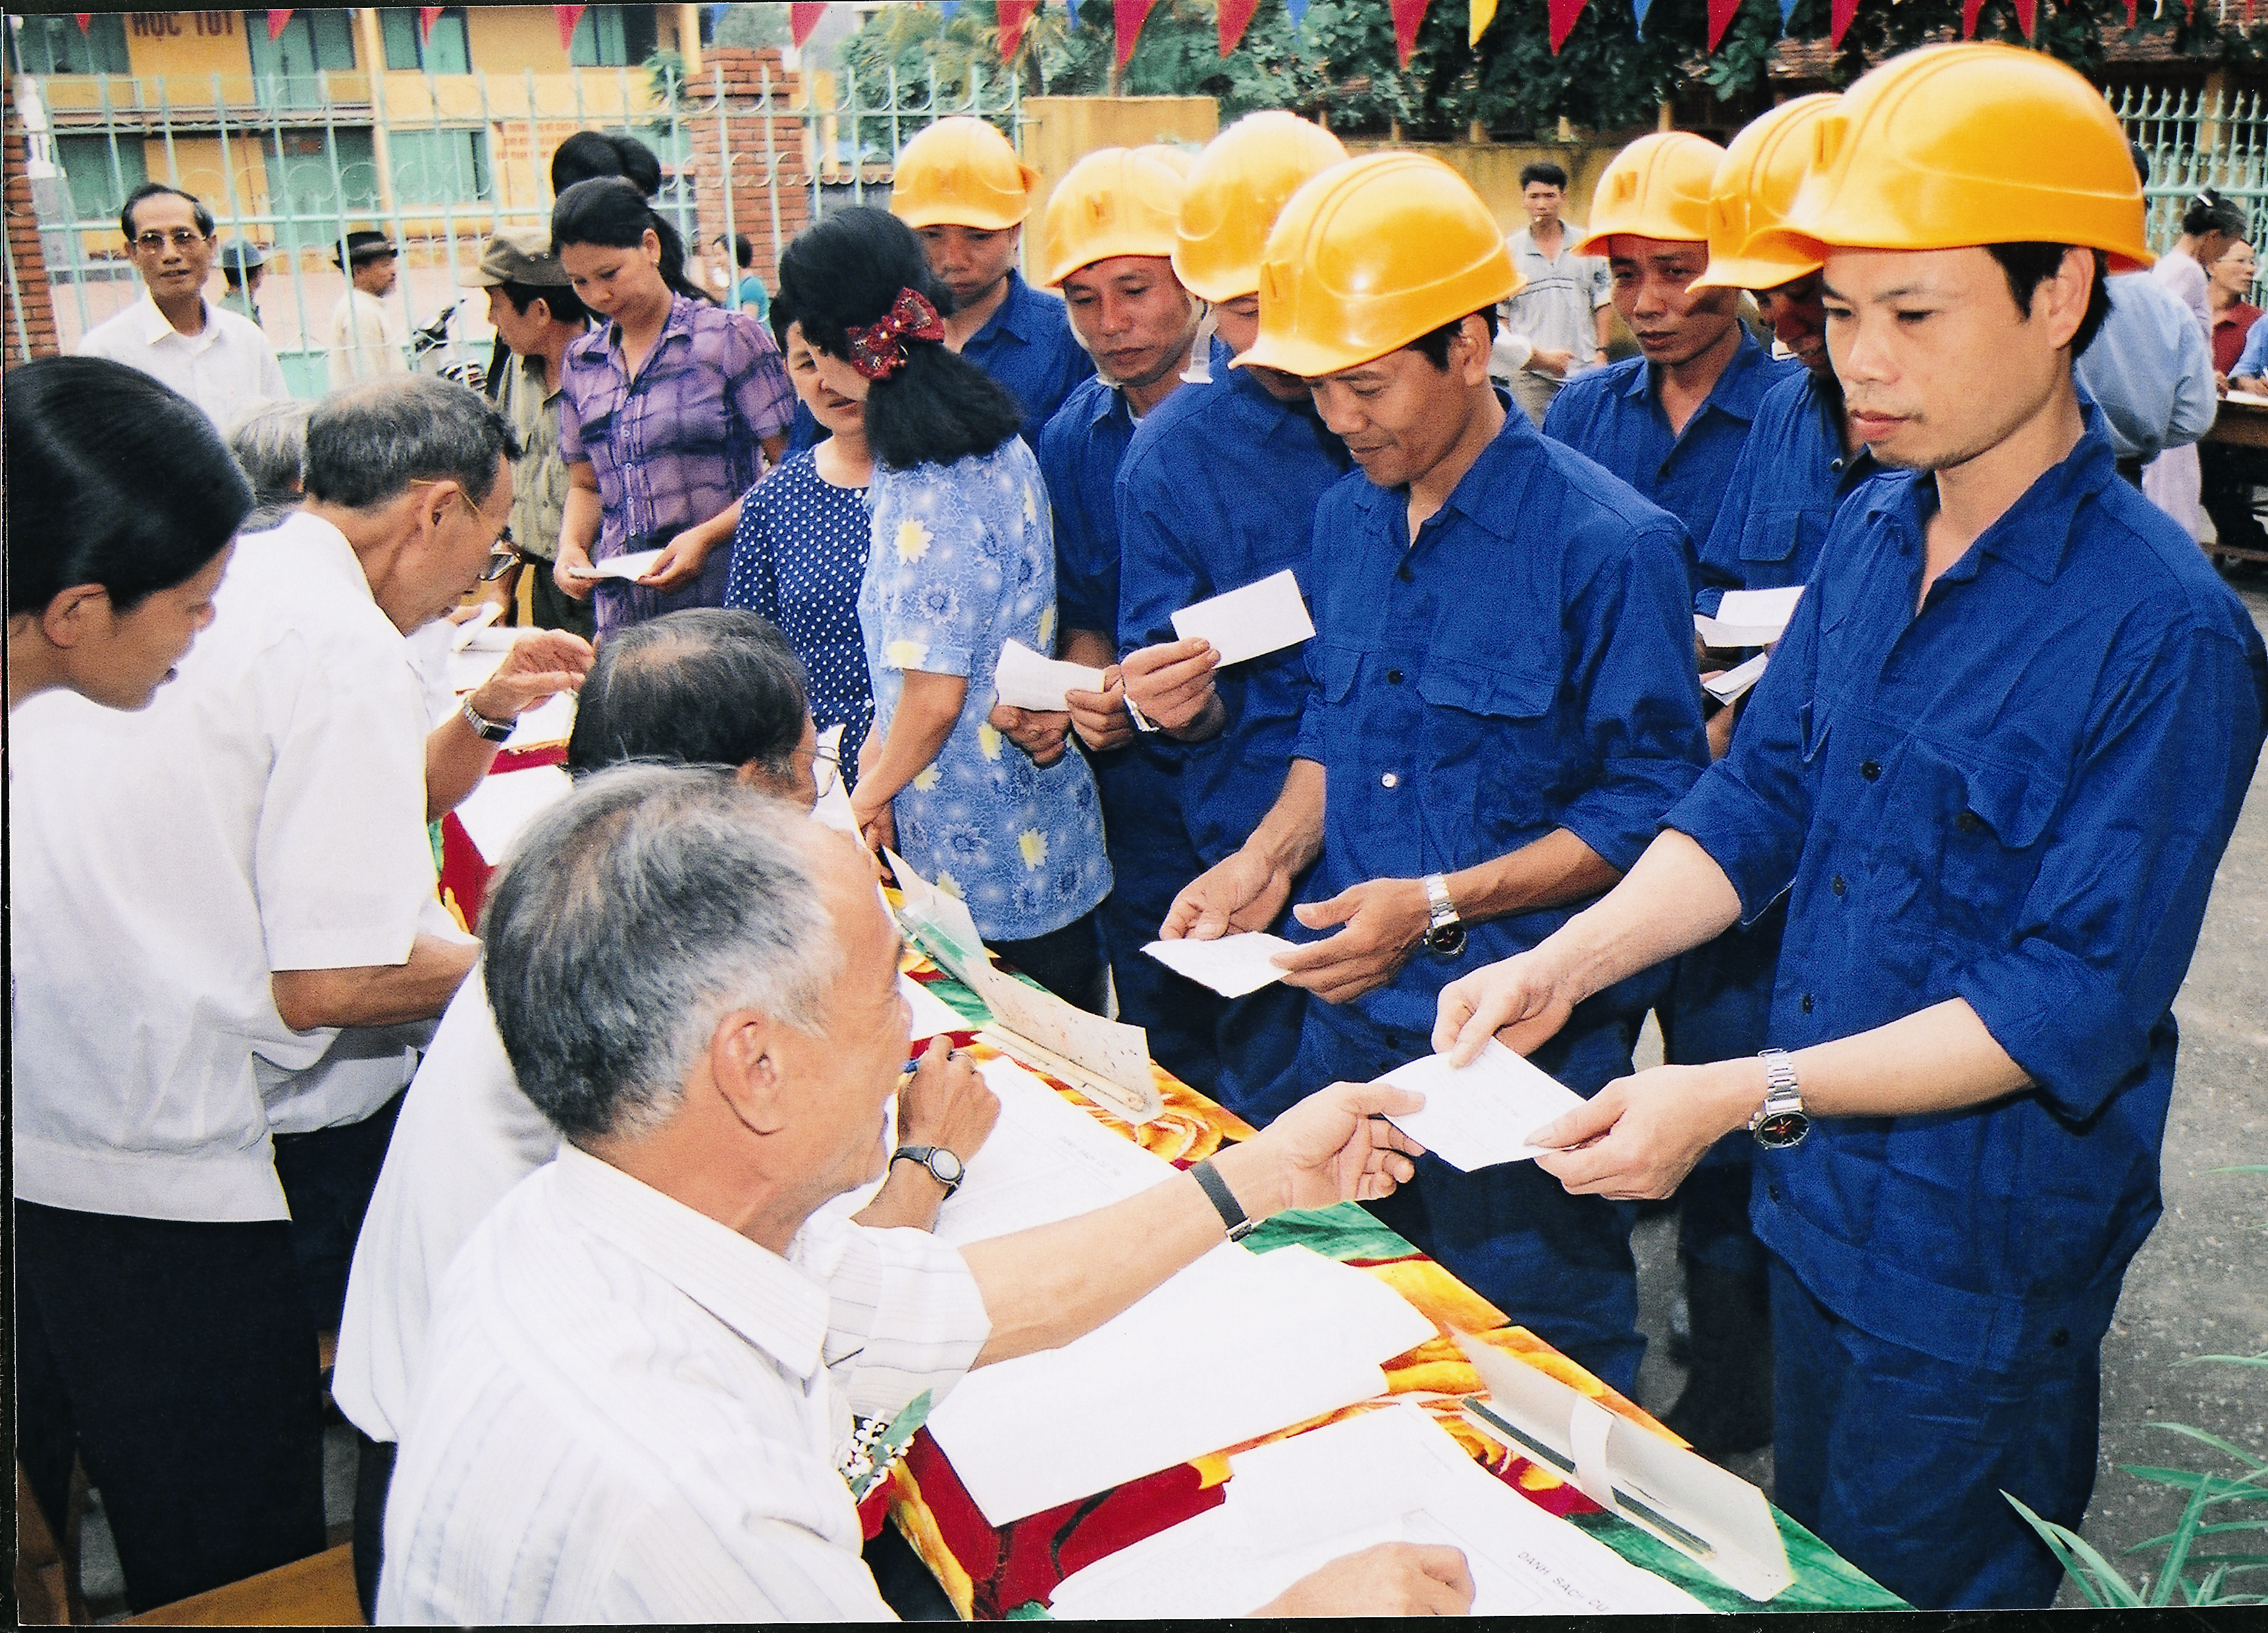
(826, 767)
(504, 554)
(153, 242)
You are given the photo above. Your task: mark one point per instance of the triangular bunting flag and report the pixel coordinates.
(85, 17)
(801, 20)
(1014, 15)
(567, 17)
(948, 7)
(1407, 15)
(1132, 14)
(1720, 18)
(1640, 8)
(1969, 9)
(1483, 13)
(1786, 13)
(1299, 11)
(425, 16)
(1562, 15)
(1844, 12)
(1235, 17)
(276, 19)
(2028, 14)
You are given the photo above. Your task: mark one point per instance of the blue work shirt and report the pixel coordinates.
(1079, 454)
(1790, 475)
(1525, 665)
(1028, 346)
(1219, 491)
(2015, 797)
(1615, 416)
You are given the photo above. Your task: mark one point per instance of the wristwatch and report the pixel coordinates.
(1223, 1200)
(487, 729)
(1780, 1122)
(1445, 931)
(943, 1166)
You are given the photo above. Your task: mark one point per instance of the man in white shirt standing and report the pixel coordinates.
(215, 898)
(1560, 321)
(217, 360)
(637, 1401)
(367, 335)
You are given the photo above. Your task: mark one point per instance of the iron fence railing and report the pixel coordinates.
(2196, 139)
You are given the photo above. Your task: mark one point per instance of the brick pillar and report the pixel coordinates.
(737, 131)
(27, 287)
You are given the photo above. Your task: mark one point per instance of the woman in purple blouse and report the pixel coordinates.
(672, 408)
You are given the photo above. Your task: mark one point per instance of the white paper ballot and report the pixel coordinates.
(1749, 617)
(476, 629)
(1307, 1334)
(1388, 1475)
(932, 1015)
(1231, 966)
(1478, 1115)
(502, 805)
(636, 565)
(1736, 680)
(1044, 1160)
(550, 721)
(1250, 622)
(1024, 680)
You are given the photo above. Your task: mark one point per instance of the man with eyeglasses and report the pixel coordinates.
(229, 950)
(217, 360)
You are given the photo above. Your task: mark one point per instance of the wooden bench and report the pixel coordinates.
(318, 1592)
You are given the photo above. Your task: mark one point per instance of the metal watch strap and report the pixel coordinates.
(1445, 931)
(1223, 1199)
(1780, 1122)
(487, 729)
(1142, 722)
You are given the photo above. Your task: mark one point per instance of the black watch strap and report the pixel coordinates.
(1223, 1200)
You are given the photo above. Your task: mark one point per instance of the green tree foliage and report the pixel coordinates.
(754, 26)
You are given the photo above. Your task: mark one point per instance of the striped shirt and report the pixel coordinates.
(630, 1412)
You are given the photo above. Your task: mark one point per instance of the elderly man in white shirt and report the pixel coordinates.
(214, 899)
(637, 1401)
(217, 360)
(367, 336)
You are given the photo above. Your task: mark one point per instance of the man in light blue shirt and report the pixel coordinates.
(2150, 373)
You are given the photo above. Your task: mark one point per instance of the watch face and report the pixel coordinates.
(946, 1165)
(1448, 940)
(1783, 1129)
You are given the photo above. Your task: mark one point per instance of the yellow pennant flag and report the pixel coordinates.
(1483, 13)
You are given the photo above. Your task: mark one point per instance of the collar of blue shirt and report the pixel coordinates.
(1014, 319)
(1747, 376)
(1490, 494)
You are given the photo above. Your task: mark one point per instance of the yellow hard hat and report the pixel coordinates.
(1957, 145)
(1180, 160)
(961, 172)
(1756, 181)
(1370, 255)
(1235, 194)
(1116, 201)
(1657, 187)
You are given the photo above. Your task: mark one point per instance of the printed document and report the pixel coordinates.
(1478, 1115)
(1251, 623)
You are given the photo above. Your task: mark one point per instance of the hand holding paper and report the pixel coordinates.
(1481, 1115)
(1024, 680)
(1251, 623)
(1749, 617)
(632, 567)
(1232, 966)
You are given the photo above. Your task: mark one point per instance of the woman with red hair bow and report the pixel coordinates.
(962, 561)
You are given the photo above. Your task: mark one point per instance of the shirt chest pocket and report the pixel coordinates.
(685, 413)
(1977, 827)
(1775, 531)
(1482, 737)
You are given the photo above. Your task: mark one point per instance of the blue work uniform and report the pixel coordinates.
(1217, 491)
(1524, 664)
(1615, 416)
(2015, 797)
(1140, 782)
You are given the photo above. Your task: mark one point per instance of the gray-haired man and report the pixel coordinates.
(642, 1364)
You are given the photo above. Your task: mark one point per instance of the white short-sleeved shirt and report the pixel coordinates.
(630, 1412)
(367, 340)
(266, 812)
(228, 369)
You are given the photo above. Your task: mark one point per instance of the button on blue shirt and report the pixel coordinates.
(1525, 664)
(1790, 475)
(1219, 491)
(1615, 416)
(2016, 797)
(1028, 346)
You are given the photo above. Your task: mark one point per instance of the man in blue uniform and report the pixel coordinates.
(1669, 422)
(1993, 765)
(1504, 706)
(1219, 491)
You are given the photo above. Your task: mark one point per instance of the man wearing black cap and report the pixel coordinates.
(367, 336)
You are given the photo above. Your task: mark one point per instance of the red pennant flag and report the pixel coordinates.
(1407, 15)
(425, 16)
(1014, 15)
(567, 17)
(801, 20)
(1563, 15)
(2028, 14)
(1969, 9)
(85, 17)
(275, 21)
(1235, 17)
(1844, 12)
(1130, 14)
(1720, 18)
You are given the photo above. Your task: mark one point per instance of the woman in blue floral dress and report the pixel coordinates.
(963, 561)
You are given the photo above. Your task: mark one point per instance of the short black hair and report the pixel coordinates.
(589, 153)
(1435, 342)
(559, 300)
(111, 479)
(710, 686)
(611, 212)
(1544, 170)
(845, 273)
(744, 252)
(2028, 266)
(152, 190)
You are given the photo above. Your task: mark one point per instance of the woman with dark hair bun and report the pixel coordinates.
(120, 502)
(961, 562)
(674, 408)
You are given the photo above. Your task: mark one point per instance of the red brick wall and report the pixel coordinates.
(747, 113)
(28, 287)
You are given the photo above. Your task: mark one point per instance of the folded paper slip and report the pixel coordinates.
(1748, 617)
(1024, 680)
(636, 565)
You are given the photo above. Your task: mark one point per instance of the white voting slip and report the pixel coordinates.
(1044, 1160)
(1024, 680)
(1479, 1114)
(1307, 1335)
(636, 565)
(550, 721)
(1251, 623)
(505, 802)
(1749, 617)
(1736, 682)
(1391, 1474)
(1231, 965)
(475, 631)
(932, 1014)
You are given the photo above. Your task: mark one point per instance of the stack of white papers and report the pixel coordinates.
(1392, 1475)
(1278, 1338)
(1748, 617)
(1479, 1114)
(634, 566)
(1024, 680)
(1231, 965)
(503, 803)
(1044, 1160)
(1251, 623)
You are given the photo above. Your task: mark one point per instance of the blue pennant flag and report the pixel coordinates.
(948, 7)
(1071, 11)
(1299, 11)
(1642, 7)
(1786, 13)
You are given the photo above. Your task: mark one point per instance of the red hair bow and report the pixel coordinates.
(875, 351)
